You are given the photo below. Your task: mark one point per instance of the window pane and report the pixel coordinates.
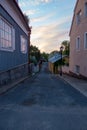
(6, 35)
(2, 34)
(9, 37)
(6, 44)
(23, 45)
(3, 43)
(9, 29)
(6, 28)
(86, 41)
(78, 43)
(9, 44)
(3, 25)
(85, 9)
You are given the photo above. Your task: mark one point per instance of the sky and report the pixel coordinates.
(50, 21)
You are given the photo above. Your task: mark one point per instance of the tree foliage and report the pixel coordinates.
(27, 18)
(35, 52)
(66, 45)
(44, 56)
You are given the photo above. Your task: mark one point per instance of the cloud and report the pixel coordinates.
(51, 27)
(46, 1)
(24, 3)
(49, 37)
(42, 18)
(30, 12)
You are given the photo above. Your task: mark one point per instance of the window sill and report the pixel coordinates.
(77, 50)
(7, 50)
(85, 49)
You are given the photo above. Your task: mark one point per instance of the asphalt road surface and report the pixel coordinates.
(43, 102)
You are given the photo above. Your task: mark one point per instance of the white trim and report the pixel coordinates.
(78, 44)
(12, 48)
(13, 38)
(85, 42)
(6, 4)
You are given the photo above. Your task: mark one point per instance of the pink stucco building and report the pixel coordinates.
(78, 39)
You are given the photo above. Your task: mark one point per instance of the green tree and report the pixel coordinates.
(27, 19)
(34, 52)
(66, 45)
(44, 56)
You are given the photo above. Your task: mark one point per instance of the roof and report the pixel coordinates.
(55, 58)
(16, 4)
(73, 16)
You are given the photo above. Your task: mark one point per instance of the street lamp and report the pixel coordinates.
(61, 50)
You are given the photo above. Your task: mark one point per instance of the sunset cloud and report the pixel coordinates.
(50, 21)
(50, 36)
(42, 18)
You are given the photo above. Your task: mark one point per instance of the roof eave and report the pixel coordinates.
(29, 28)
(73, 17)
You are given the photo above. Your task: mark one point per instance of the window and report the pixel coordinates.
(23, 45)
(78, 18)
(85, 40)
(85, 9)
(78, 43)
(7, 36)
(77, 69)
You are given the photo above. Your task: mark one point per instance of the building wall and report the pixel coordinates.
(10, 7)
(51, 67)
(78, 57)
(9, 59)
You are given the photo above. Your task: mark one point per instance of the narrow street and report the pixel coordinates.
(43, 102)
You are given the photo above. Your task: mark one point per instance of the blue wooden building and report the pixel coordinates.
(14, 36)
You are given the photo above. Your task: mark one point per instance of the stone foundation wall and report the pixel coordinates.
(14, 74)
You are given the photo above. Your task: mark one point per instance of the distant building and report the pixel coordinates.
(78, 40)
(53, 58)
(54, 62)
(14, 36)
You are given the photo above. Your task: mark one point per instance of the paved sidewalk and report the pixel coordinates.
(79, 84)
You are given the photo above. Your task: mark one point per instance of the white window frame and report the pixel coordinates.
(78, 42)
(23, 42)
(85, 10)
(12, 47)
(85, 40)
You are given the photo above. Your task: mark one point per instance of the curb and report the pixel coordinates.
(74, 86)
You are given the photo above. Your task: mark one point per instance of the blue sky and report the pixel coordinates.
(50, 21)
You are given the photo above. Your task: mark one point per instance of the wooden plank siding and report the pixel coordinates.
(11, 59)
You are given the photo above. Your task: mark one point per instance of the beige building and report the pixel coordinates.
(78, 40)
